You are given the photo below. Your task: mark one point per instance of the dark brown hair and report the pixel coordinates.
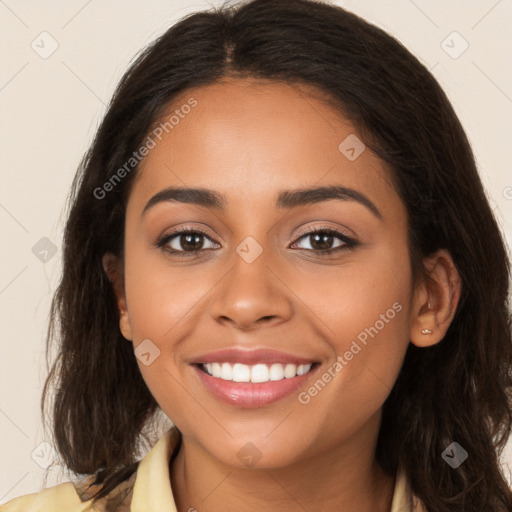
(457, 390)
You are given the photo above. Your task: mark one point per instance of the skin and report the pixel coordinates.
(248, 141)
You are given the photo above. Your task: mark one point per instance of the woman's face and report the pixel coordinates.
(260, 279)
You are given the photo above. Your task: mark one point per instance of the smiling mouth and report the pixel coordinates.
(256, 373)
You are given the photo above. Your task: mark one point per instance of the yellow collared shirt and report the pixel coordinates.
(147, 490)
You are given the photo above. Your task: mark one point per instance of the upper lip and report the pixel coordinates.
(250, 357)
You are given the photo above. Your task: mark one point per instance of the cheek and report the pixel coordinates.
(374, 317)
(366, 298)
(362, 310)
(161, 302)
(370, 339)
(160, 295)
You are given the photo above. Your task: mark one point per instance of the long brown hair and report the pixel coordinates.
(455, 391)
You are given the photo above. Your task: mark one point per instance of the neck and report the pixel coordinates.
(345, 478)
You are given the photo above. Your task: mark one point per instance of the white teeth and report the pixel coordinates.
(303, 368)
(241, 372)
(276, 372)
(256, 373)
(226, 372)
(216, 369)
(259, 373)
(290, 370)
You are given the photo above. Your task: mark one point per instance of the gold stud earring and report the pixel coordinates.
(427, 331)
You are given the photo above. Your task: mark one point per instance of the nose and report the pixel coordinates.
(251, 295)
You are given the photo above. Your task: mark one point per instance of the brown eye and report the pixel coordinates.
(321, 241)
(185, 241)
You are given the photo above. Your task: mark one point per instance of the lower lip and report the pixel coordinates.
(249, 395)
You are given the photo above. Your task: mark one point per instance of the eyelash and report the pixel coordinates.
(348, 242)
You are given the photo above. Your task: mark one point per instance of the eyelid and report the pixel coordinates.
(187, 229)
(303, 231)
(323, 227)
(167, 237)
(348, 241)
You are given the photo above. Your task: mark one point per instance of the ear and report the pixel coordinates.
(435, 300)
(114, 269)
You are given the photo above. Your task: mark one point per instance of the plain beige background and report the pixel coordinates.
(51, 105)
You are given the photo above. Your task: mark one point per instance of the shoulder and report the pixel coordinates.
(76, 496)
(73, 497)
(59, 498)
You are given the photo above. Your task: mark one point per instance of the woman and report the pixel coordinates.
(279, 238)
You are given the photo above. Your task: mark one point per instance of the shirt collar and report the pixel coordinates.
(402, 499)
(153, 493)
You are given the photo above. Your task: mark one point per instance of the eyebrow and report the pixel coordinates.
(286, 199)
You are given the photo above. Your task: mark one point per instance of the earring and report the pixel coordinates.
(427, 331)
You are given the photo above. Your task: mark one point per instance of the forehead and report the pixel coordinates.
(248, 139)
